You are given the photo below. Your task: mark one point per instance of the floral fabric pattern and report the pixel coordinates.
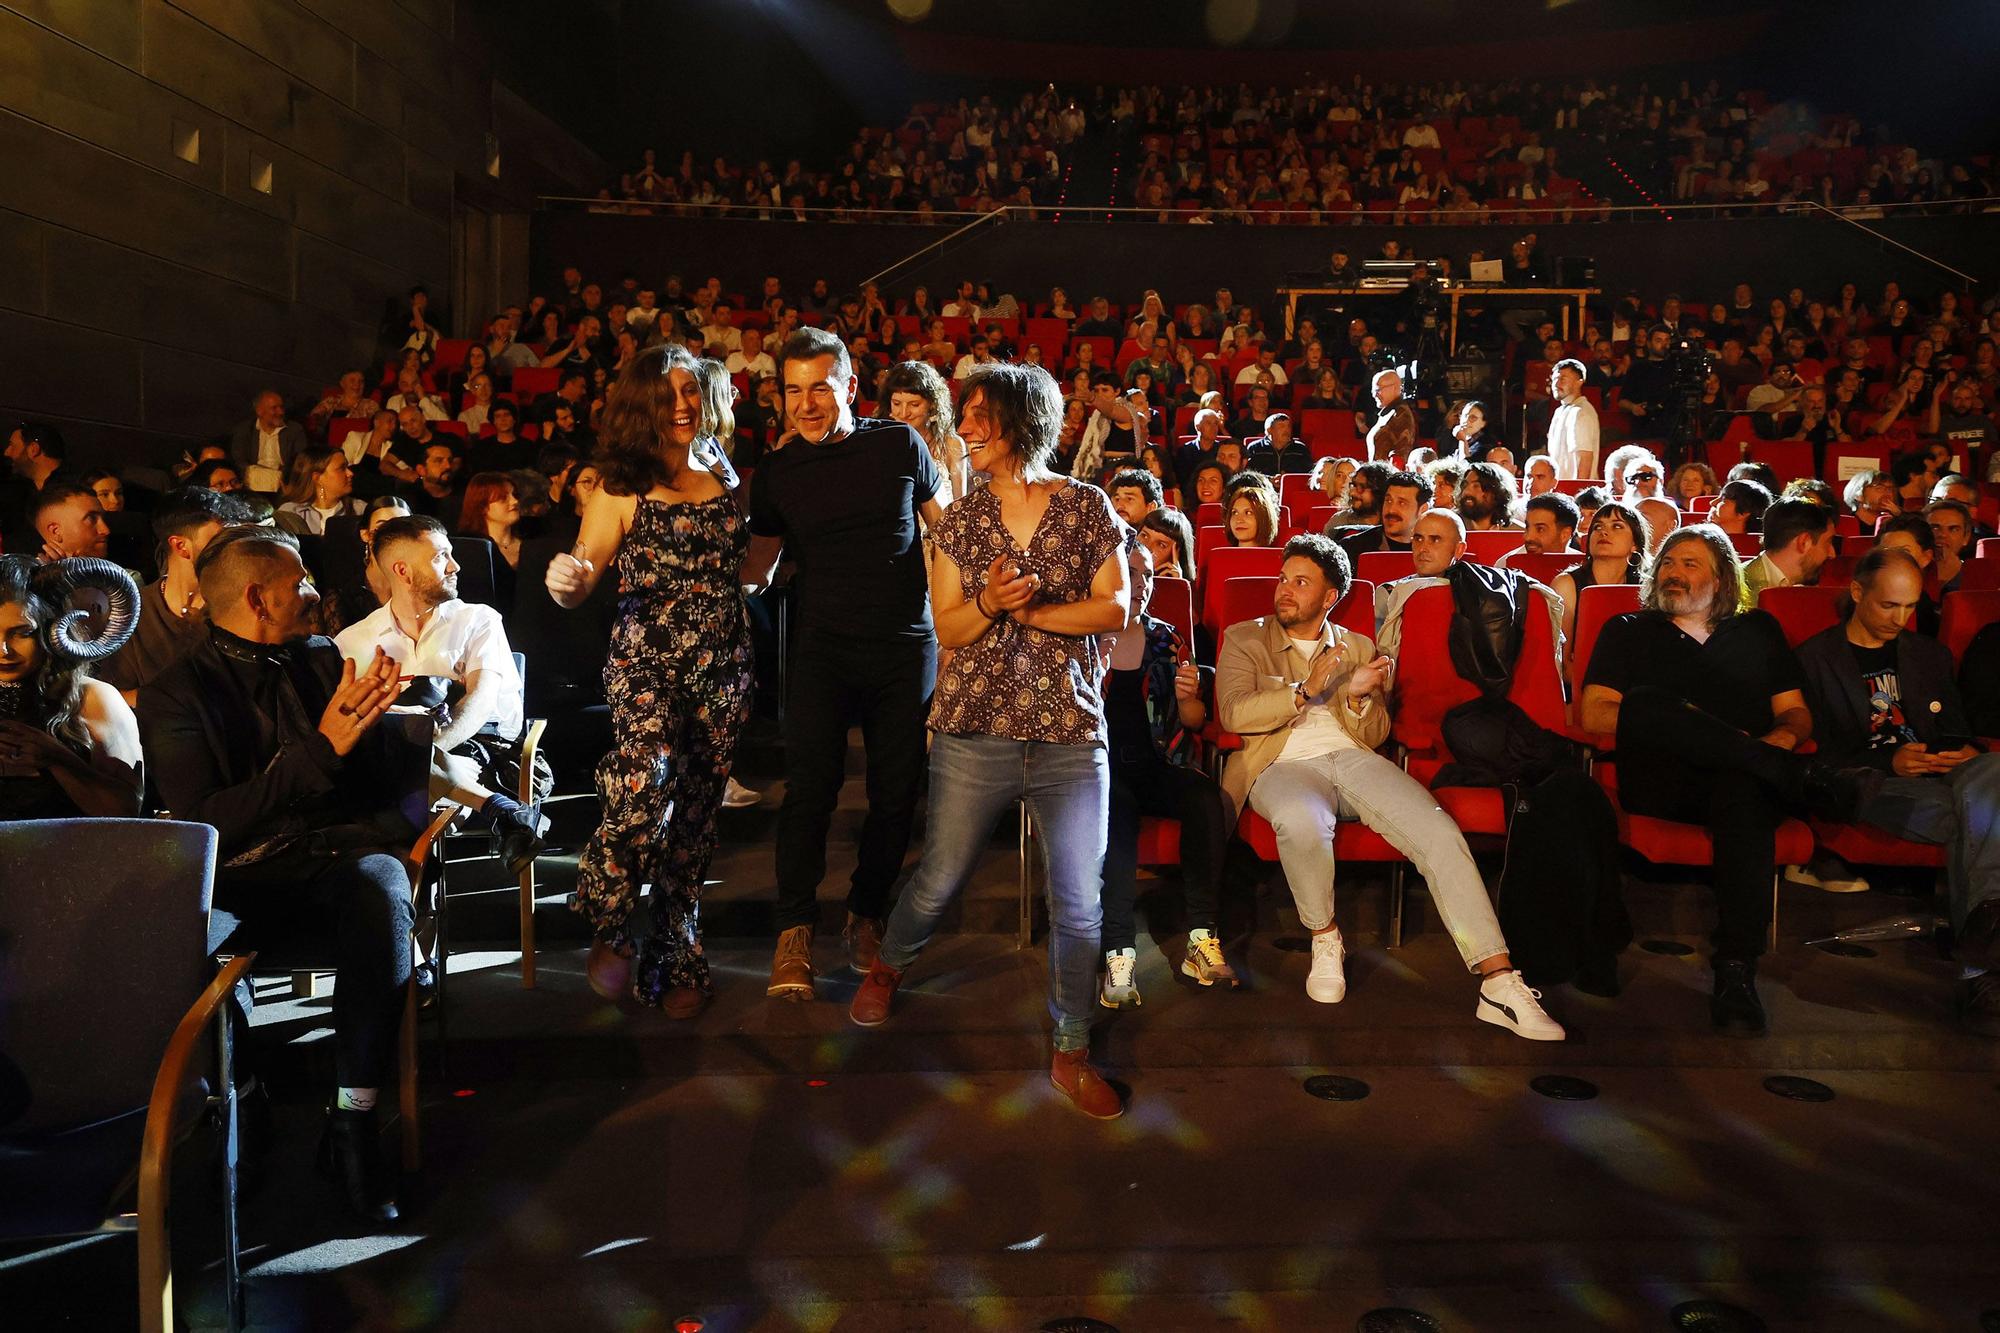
(678, 678)
(1020, 683)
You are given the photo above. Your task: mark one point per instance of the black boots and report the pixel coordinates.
(1736, 1011)
(350, 1154)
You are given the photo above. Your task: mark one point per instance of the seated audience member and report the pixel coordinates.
(1157, 460)
(1870, 497)
(262, 447)
(69, 746)
(1951, 525)
(1690, 481)
(1615, 543)
(1329, 480)
(1761, 473)
(217, 474)
(1229, 453)
(321, 486)
(1444, 475)
(1256, 408)
(1957, 418)
(1740, 507)
(1882, 697)
(70, 522)
(1209, 479)
(1912, 535)
(1541, 475)
(1707, 703)
(1487, 499)
(1502, 457)
(1363, 506)
(1912, 479)
(1153, 716)
(1252, 516)
(1798, 540)
(751, 358)
(1472, 436)
(1588, 501)
(1171, 540)
(505, 448)
(1814, 490)
(350, 399)
(1279, 450)
(429, 634)
(437, 492)
(1405, 498)
(492, 510)
(171, 619)
(410, 392)
(1134, 494)
(1438, 545)
(1311, 702)
(1548, 527)
(264, 732)
(478, 409)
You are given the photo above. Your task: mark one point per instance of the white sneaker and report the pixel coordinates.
(1119, 988)
(736, 796)
(1327, 982)
(1829, 874)
(1506, 1001)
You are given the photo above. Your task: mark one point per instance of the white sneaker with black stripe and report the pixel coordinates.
(1505, 1000)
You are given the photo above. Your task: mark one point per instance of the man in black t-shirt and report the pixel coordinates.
(1883, 697)
(1708, 705)
(843, 498)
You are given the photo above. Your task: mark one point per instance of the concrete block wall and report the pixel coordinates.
(145, 297)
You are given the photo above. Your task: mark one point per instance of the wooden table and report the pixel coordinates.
(1456, 292)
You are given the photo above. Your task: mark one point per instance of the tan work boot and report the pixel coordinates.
(864, 942)
(792, 965)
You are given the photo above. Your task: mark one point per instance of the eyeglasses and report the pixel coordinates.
(1644, 476)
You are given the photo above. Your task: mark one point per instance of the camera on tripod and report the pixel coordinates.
(1688, 363)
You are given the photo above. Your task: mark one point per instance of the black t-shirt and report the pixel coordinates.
(1733, 676)
(1887, 727)
(847, 512)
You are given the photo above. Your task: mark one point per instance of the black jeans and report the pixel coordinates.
(351, 908)
(833, 683)
(1145, 784)
(1677, 762)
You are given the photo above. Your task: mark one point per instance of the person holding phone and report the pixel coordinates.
(1883, 697)
(1153, 715)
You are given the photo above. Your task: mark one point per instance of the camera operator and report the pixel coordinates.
(1648, 383)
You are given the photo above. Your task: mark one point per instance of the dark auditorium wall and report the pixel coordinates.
(1695, 257)
(144, 298)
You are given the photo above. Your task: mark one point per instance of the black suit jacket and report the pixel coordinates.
(1841, 711)
(243, 444)
(203, 753)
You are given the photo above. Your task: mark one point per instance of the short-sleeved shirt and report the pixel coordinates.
(1733, 676)
(847, 513)
(1880, 681)
(1025, 684)
(458, 639)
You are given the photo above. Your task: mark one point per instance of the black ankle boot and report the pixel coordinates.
(350, 1153)
(1736, 1011)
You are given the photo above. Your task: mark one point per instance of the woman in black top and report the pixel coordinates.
(69, 745)
(1153, 714)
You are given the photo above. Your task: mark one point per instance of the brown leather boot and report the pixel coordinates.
(792, 965)
(878, 989)
(864, 942)
(609, 970)
(684, 1002)
(1087, 1091)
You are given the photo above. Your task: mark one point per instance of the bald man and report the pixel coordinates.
(263, 732)
(1438, 544)
(1394, 433)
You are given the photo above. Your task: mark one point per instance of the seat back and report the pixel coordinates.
(1173, 602)
(1428, 686)
(1801, 611)
(1966, 612)
(1596, 605)
(1248, 597)
(1544, 568)
(1227, 562)
(476, 581)
(1483, 548)
(103, 945)
(1384, 566)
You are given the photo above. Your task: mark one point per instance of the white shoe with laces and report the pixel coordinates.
(1119, 988)
(1327, 981)
(1505, 1000)
(736, 796)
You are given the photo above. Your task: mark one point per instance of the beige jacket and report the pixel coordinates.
(1255, 672)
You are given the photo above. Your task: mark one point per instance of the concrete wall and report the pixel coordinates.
(144, 298)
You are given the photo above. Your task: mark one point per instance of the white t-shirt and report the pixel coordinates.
(1249, 373)
(432, 409)
(458, 639)
(1316, 731)
(760, 364)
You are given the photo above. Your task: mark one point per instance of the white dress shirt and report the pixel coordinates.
(1573, 439)
(458, 639)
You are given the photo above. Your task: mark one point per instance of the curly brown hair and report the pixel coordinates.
(638, 415)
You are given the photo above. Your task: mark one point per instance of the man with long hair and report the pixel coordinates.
(843, 499)
(1708, 705)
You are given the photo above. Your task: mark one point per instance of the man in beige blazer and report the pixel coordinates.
(1310, 700)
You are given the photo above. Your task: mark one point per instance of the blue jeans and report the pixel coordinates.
(1959, 811)
(1067, 788)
